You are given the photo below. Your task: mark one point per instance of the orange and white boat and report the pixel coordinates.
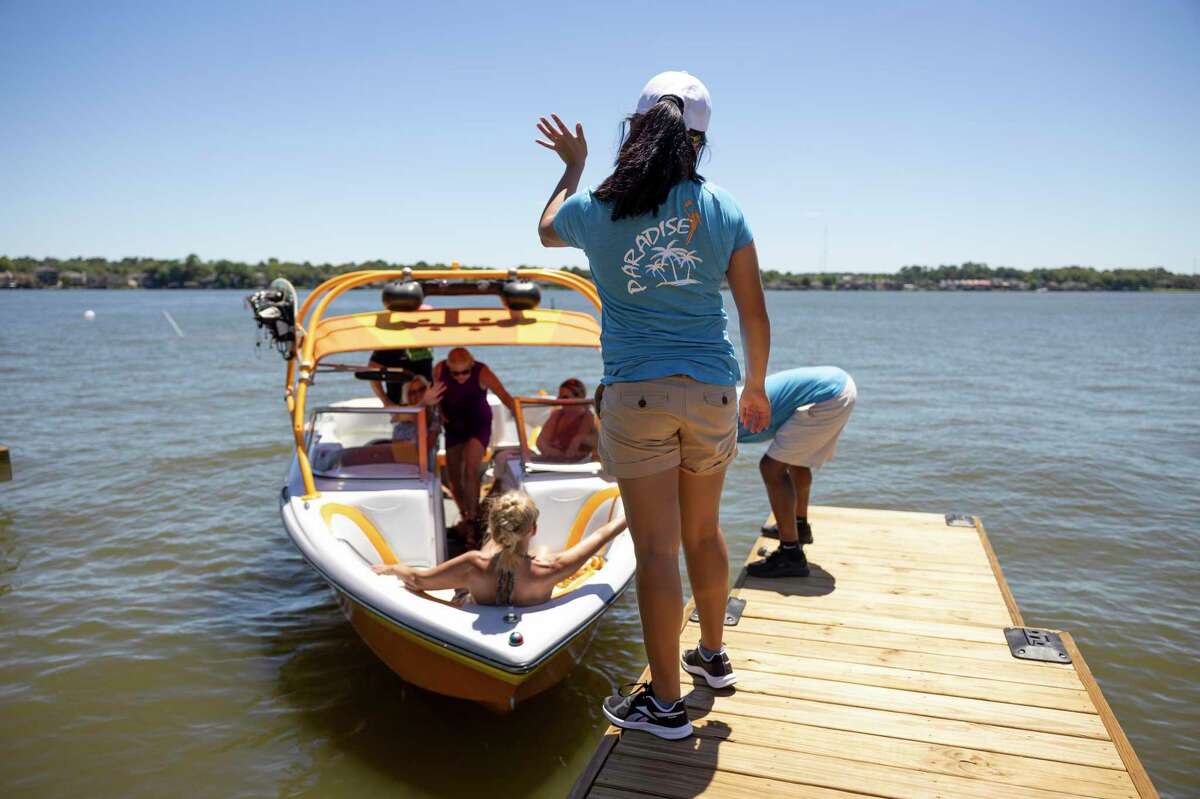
(356, 496)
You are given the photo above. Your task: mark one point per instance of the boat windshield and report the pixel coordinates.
(370, 443)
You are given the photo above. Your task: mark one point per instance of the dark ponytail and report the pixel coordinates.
(656, 154)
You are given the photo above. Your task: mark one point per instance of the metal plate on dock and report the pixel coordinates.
(1027, 643)
(733, 612)
(960, 520)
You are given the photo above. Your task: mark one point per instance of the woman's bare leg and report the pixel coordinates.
(704, 550)
(471, 460)
(454, 472)
(652, 506)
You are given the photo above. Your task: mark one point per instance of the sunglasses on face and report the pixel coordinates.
(460, 372)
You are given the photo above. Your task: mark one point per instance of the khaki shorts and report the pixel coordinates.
(809, 437)
(650, 426)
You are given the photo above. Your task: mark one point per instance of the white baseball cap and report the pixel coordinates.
(697, 107)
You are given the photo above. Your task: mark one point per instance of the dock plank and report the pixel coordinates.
(1050, 674)
(904, 575)
(919, 681)
(863, 620)
(837, 773)
(822, 579)
(883, 674)
(604, 792)
(928, 596)
(915, 608)
(993, 651)
(1086, 725)
(952, 760)
(898, 726)
(629, 772)
(905, 548)
(932, 559)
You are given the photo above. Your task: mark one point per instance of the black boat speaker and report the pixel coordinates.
(403, 295)
(520, 295)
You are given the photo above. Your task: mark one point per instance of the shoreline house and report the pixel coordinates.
(47, 276)
(70, 278)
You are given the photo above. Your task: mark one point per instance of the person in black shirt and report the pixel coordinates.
(391, 392)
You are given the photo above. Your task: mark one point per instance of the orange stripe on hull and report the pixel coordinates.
(417, 662)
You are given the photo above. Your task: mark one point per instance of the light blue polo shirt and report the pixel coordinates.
(792, 389)
(659, 278)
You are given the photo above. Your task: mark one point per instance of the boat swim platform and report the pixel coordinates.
(884, 673)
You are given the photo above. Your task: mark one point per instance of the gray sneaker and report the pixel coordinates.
(639, 710)
(717, 671)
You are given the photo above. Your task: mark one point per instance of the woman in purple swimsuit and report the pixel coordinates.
(468, 423)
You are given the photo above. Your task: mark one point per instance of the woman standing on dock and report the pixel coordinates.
(660, 240)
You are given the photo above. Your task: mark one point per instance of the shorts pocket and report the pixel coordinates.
(644, 400)
(719, 397)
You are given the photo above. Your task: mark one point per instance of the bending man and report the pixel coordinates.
(809, 408)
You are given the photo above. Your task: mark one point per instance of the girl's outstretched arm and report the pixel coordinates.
(572, 149)
(450, 574)
(567, 562)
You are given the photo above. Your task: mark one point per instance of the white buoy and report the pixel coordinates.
(89, 315)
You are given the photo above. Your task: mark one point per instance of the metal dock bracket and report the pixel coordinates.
(1027, 643)
(733, 612)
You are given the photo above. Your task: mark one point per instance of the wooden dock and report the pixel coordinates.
(885, 673)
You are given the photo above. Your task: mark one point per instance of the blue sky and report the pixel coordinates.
(1017, 133)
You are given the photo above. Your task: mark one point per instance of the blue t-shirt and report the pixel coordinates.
(794, 389)
(659, 278)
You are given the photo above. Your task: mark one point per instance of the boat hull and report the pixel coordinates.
(435, 667)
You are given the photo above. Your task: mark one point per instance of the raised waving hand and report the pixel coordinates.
(571, 148)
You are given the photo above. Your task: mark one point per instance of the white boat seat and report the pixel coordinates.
(587, 467)
(387, 527)
(569, 507)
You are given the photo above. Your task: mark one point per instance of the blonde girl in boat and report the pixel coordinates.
(503, 572)
(660, 240)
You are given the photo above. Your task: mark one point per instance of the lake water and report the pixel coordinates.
(159, 634)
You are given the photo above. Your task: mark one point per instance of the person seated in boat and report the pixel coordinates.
(569, 434)
(467, 418)
(503, 572)
(809, 408)
(417, 392)
(415, 362)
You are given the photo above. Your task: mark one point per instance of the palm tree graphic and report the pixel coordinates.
(658, 266)
(676, 257)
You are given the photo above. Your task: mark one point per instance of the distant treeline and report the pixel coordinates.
(193, 272)
(972, 276)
